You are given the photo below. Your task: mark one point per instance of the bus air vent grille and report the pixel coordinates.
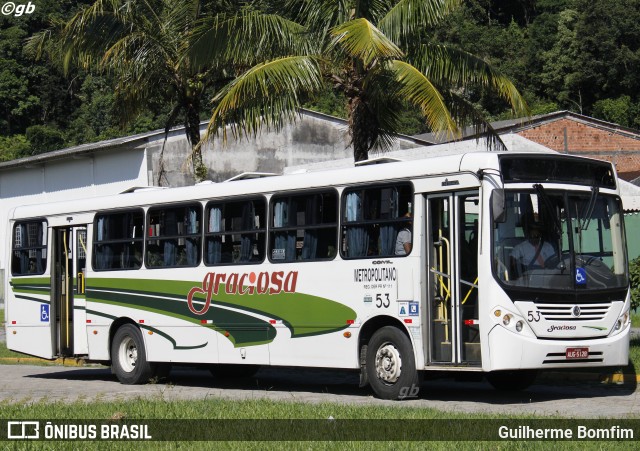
(573, 312)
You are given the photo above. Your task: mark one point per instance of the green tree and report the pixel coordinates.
(560, 75)
(12, 147)
(43, 138)
(372, 53)
(608, 36)
(144, 45)
(18, 103)
(31, 92)
(620, 111)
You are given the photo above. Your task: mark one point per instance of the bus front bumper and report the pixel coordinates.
(509, 351)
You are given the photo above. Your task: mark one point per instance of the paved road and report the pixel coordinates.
(21, 383)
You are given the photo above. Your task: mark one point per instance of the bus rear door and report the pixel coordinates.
(68, 290)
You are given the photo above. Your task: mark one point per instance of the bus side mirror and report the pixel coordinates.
(498, 210)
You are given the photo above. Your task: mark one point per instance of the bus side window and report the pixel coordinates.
(29, 254)
(235, 232)
(304, 227)
(118, 238)
(372, 218)
(173, 236)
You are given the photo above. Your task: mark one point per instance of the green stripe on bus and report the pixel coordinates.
(44, 282)
(303, 314)
(156, 331)
(29, 298)
(244, 330)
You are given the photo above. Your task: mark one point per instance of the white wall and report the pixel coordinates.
(104, 173)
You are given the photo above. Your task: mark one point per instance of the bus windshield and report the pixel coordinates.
(558, 240)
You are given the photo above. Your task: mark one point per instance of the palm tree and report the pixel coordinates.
(371, 51)
(145, 45)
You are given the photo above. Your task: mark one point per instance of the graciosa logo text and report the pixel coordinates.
(241, 284)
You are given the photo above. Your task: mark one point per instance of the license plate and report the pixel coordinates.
(577, 353)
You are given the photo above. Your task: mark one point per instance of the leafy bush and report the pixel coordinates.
(44, 138)
(634, 276)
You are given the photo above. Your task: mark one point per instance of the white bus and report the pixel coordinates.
(392, 269)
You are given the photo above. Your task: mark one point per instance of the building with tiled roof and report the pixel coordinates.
(575, 134)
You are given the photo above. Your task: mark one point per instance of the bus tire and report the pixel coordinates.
(391, 366)
(511, 380)
(128, 356)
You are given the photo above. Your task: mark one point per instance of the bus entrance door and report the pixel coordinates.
(68, 287)
(452, 293)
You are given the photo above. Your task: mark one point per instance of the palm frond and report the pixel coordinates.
(89, 32)
(36, 44)
(458, 68)
(418, 89)
(408, 16)
(467, 113)
(360, 39)
(318, 15)
(385, 105)
(267, 95)
(372, 10)
(246, 38)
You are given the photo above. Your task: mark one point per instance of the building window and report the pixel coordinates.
(304, 227)
(373, 218)
(118, 239)
(173, 236)
(29, 256)
(235, 232)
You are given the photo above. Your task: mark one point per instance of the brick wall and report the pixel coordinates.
(588, 140)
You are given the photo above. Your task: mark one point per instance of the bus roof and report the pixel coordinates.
(470, 162)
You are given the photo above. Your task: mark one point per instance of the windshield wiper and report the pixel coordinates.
(542, 194)
(595, 190)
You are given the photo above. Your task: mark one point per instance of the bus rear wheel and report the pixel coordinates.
(390, 365)
(128, 356)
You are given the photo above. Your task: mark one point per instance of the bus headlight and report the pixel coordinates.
(623, 321)
(511, 321)
(619, 324)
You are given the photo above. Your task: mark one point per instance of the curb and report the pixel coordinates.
(616, 378)
(61, 361)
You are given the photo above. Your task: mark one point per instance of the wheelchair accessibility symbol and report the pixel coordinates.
(44, 313)
(581, 276)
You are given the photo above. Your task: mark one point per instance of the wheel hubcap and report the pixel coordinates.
(128, 354)
(388, 363)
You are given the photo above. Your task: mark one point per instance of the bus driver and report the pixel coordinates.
(532, 252)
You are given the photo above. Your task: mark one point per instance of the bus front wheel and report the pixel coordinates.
(128, 356)
(391, 366)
